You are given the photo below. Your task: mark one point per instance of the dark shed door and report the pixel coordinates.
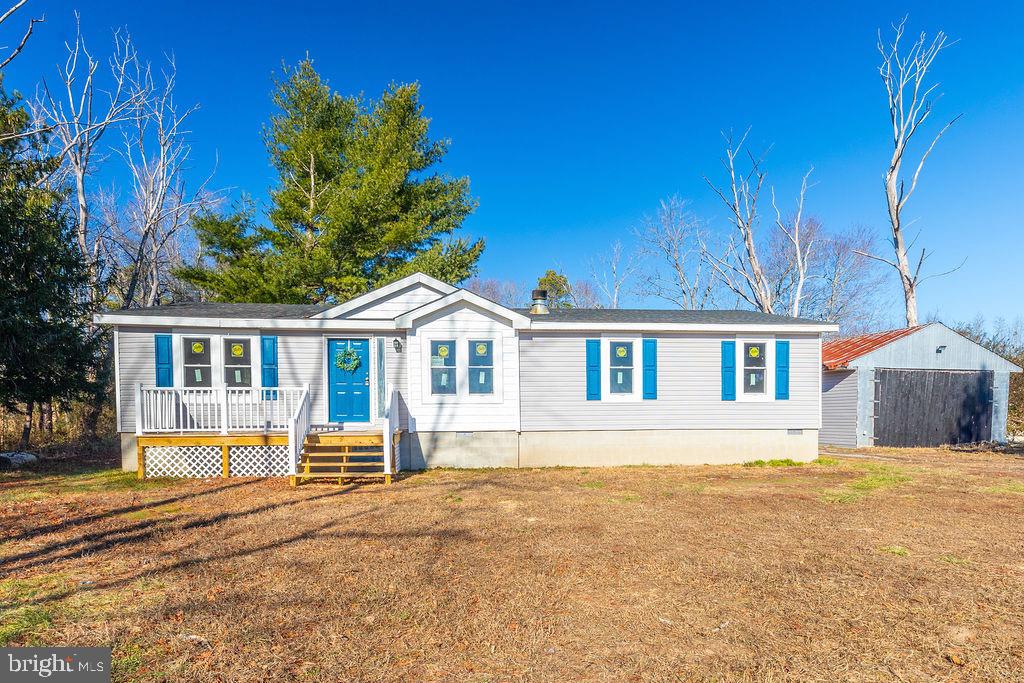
(932, 407)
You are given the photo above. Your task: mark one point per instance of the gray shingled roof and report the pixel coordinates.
(222, 310)
(626, 315)
(577, 315)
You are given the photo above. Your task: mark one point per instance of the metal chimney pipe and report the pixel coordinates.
(540, 302)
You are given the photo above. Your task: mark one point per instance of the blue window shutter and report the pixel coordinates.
(782, 370)
(728, 371)
(164, 360)
(650, 369)
(268, 359)
(593, 369)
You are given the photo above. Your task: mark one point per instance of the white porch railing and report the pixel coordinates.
(392, 463)
(298, 427)
(162, 410)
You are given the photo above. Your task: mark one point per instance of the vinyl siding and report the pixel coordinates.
(137, 365)
(395, 305)
(463, 413)
(839, 408)
(553, 387)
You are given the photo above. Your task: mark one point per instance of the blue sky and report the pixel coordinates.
(573, 119)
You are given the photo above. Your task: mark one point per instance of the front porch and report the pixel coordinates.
(257, 432)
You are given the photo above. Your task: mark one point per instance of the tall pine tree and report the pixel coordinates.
(45, 347)
(358, 202)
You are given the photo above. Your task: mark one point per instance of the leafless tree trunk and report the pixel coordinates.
(799, 245)
(739, 266)
(672, 240)
(905, 77)
(78, 122)
(612, 271)
(156, 151)
(26, 427)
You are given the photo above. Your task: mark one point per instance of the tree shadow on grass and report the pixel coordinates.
(108, 539)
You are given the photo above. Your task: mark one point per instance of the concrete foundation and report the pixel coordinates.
(665, 447)
(129, 453)
(462, 449)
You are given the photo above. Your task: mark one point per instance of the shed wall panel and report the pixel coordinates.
(839, 408)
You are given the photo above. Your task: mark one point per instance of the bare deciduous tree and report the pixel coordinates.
(798, 247)
(78, 121)
(768, 271)
(16, 50)
(739, 265)
(910, 98)
(583, 294)
(672, 239)
(505, 292)
(612, 271)
(156, 151)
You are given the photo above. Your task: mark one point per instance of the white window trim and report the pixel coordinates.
(325, 377)
(606, 384)
(462, 395)
(216, 357)
(769, 369)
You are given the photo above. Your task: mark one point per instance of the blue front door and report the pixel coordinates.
(348, 379)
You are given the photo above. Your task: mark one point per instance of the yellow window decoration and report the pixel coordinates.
(754, 352)
(481, 349)
(620, 351)
(236, 350)
(197, 347)
(442, 351)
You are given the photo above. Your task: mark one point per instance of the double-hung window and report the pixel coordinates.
(196, 362)
(442, 367)
(620, 367)
(237, 363)
(481, 366)
(755, 371)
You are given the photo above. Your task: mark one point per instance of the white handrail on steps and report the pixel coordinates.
(392, 461)
(298, 427)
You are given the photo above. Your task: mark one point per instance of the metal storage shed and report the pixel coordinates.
(917, 386)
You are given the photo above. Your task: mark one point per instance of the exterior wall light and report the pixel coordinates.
(938, 350)
(397, 343)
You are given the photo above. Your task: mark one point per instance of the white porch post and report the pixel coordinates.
(138, 410)
(223, 409)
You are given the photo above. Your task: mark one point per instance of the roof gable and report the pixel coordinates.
(462, 296)
(389, 301)
(914, 348)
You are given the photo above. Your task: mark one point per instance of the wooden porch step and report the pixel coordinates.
(342, 464)
(337, 475)
(343, 454)
(343, 439)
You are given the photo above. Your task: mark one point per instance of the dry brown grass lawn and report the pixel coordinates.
(908, 566)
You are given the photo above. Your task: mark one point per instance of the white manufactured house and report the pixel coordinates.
(422, 374)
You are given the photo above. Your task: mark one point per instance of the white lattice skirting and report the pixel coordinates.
(183, 461)
(207, 461)
(258, 461)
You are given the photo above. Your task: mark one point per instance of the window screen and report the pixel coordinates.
(196, 361)
(620, 367)
(754, 368)
(481, 366)
(442, 367)
(237, 363)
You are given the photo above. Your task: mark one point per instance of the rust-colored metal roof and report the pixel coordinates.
(837, 353)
